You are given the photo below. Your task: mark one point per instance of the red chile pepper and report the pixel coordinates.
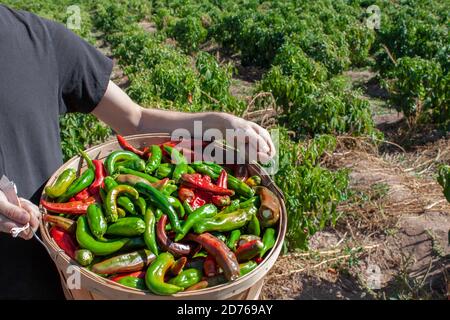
(136, 274)
(185, 193)
(210, 266)
(177, 249)
(127, 146)
(224, 257)
(82, 195)
(100, 174)
(74, 207)
(197, 181)
(64, 240)
(178, 266)
(258, 260)
(222, 181)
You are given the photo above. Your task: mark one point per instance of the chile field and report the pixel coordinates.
(359, 93)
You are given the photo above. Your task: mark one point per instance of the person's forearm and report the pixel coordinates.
(155, 120)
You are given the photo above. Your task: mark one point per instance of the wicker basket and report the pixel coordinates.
(94, 287)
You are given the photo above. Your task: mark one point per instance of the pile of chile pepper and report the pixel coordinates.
(150, 220)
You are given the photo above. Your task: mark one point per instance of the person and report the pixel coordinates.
(46, 70)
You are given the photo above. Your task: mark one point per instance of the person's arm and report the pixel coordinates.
(126, 117)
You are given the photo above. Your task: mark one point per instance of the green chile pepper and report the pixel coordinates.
(155, 159)
(253, 201)
(187, 207)
(164, 170)
(137, 165)
(81, 183)
(205, 211)
(133, 282)
(226, 221)
(190, 170)
(110, 183)
(111, 200)
(143, 175)
(177, 205)
(127, 205)
(233, 239)
(253, 226)
(96, 220)
(187, 278)
(232, 207)
(169, 189)
(154, 278)
(253, 181)
(84, 257)
(247, 267)
(116, 156)
(150, 231)
(162, 202)
(127, 227)
(142, 205)
(61, 184)
(128, 262)
(99, 248)
(268, 241)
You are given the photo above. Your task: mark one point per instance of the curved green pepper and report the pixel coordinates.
(99, 248)
(96, 220)
(160, 201)
(187, 278)
(150, 231)
(135, 164)
(110, 183)
(187, 207)
(81, 183)
(164, 170)
(154, 278)
(268, 241)
(127, 205)
(253, 226)
(142, 205)
(205, 211)
(247, 267)
(143, 175)
(84, 257)
(233, 239)
(111, 200)
(226, 221)
(62, 183)
(119, 155)
(155, 159)
(177, 205)
(127, 227)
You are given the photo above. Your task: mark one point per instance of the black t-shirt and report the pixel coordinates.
(45, 71)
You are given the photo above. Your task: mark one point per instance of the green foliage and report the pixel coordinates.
(444, 180)
(312, 192)
(419, 88)
(189, 33)
(79, 131)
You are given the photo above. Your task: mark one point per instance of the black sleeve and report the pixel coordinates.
(83, 71)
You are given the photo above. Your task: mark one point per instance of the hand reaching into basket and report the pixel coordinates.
(12, 216)
(126, 117)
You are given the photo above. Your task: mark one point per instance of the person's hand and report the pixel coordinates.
(12, 216)
(257, 138)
